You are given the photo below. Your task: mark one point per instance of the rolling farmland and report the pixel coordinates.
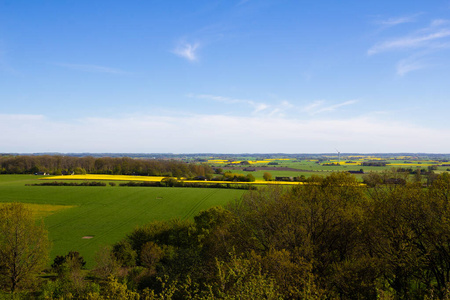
(83, 218)
(106, 214)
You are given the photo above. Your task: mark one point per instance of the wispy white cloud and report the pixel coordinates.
(314, 106)
(280, 109)
(221, 99)
(187, 51)
(91, 68)
(259, 108)
(415, 41)
(439, 22)
(398, 20)
(319, 106)
(419, 46)
(218, 133)
(410, 64)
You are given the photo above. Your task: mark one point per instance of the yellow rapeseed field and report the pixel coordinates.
(413, 165)
(264, 161)
(159, 178)
(154, 179)
(350, 164)
(105, 177)
(260, 182)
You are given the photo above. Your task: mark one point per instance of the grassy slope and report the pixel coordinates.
(107, 213)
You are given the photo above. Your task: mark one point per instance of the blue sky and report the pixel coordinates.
(228, 76)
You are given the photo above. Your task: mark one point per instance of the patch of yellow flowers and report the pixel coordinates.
(105, 177)
(159, 178)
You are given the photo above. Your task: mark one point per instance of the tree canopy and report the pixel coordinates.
(24, 246)
(57, 164)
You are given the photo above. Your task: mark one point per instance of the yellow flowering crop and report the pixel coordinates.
(413, 165)
(105, 177)
(257, 182)
(159, 178)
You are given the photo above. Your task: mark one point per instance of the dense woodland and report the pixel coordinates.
(334, 239)
(57, 165)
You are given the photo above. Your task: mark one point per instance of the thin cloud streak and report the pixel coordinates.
(221, 99)
(318, 106)
(398, 20)
(279, 110)
(187, 51)
(409, 42)
(419, 45)
(439, 22)
(408, 65)
(259, 108)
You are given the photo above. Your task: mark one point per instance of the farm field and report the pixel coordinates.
(92, 177)
(106, 214)
(291, 167)
(106, 177)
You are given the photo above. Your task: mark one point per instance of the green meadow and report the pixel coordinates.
(308, 168)
(85, 218)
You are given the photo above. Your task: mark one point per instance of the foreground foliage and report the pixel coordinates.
(24, 247)
(332, 240)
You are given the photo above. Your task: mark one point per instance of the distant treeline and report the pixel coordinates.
(374, 163)
(166, 183)
(57, 165)
(69, 183)
(170, 182)
(190, 156)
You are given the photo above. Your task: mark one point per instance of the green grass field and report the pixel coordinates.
(107, 213)
(312, 168)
